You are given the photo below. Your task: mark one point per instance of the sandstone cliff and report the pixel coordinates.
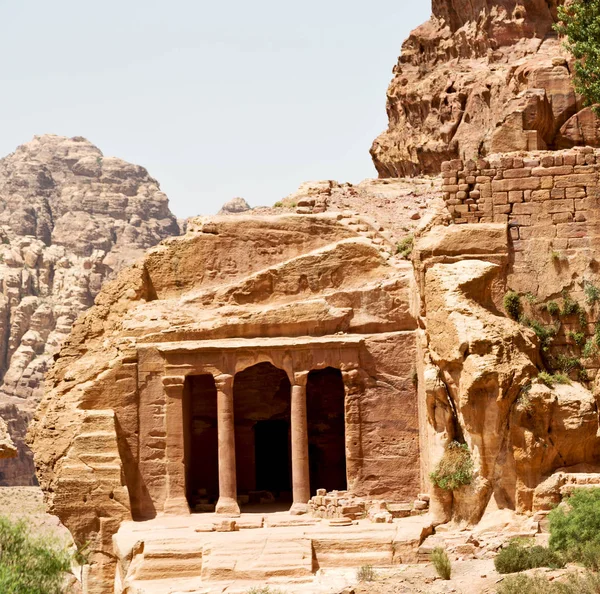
(69, 218)
(478, 78)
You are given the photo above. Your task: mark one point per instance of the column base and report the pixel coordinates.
(177, 506)
(227, 506)
(299, 509)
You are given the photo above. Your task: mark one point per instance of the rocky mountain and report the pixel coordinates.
(69, 219)
(481, 77)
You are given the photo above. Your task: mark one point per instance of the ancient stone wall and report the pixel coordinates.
(550, 202)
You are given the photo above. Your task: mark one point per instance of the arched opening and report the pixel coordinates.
(325, 400)
(261, 397)
(200, 442)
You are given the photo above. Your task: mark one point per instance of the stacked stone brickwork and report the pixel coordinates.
(550, 201)
(540, 188)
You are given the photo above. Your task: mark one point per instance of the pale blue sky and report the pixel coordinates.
(217, 99)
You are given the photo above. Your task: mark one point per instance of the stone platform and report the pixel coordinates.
(205, 553)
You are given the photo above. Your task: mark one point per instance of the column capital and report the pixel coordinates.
(173, 385)
(300, 378)
(224, 382)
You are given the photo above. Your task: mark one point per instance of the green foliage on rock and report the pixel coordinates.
(579, 22)
(454, 469)
(404, 247)
(545, 334)
(512, 305)
(550, 380)
(30, 564)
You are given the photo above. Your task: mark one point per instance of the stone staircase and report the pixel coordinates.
(370, 229)
(174, 555)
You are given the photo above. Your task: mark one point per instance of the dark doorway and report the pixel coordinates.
(261, 396)
(325, 401)
(201, 442)
(271, 448)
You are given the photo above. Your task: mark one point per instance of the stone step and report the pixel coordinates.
(168, 558)
(257, 558)
(346, 549)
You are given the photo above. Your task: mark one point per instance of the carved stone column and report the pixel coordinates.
(299, 430)
(175, 499)
(227, 503)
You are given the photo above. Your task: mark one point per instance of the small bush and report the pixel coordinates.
(441, 562)
(404, 248)
(30, 564)
(366, 573)
(589, 555)
(454, 469)
(579, 523)
(519, 557)
(545, 334)
(570, 307)
(278, 204)
(546, 378)
(553, 308)
(592, 294)
(582, 375)
(512, 305)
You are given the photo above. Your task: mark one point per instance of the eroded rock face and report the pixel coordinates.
(479, 78)
(479, 384)
(69, 218)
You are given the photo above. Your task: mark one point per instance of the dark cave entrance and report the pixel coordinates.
(261, 396)
(201, 442)
(325, 401)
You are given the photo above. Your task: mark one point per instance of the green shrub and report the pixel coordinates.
(553, 308)
(404, 248)
(278, 204)
(550, 380)
(571, 583)
(577, 337)
(455, 467)
(30, 564)
(441, 562)
(556, 256)
(565, 364)
(578, 523)
(366, 573)
(520, 557)
(512, 305)
(590, 348)
(579, 22)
